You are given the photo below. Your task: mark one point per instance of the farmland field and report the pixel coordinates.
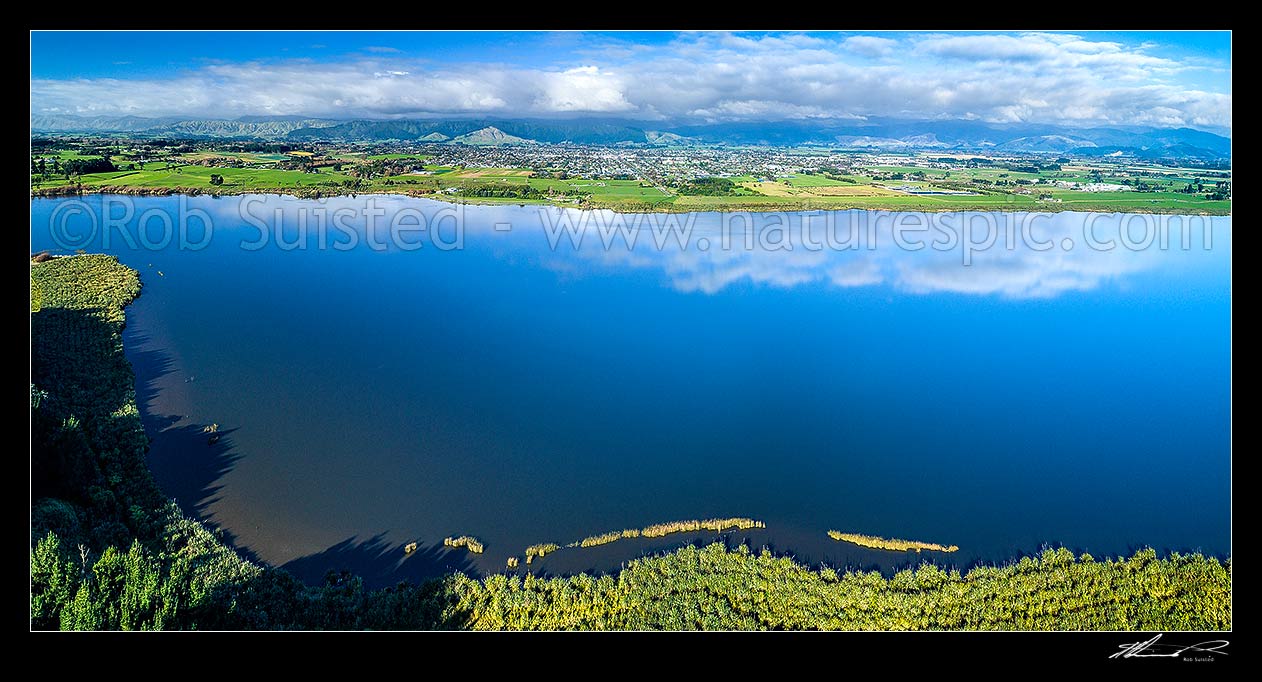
(955, 184)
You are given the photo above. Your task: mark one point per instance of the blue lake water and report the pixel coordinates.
(488, 383)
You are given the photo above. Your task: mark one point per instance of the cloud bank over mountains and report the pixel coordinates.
(700, 78)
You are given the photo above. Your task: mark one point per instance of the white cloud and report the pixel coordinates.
(1029, 77)
(870, 46)
(582, 89)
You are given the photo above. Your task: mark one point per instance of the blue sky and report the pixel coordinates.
(1163, 79)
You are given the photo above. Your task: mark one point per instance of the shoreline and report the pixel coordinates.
(126, 190)
(229, 591)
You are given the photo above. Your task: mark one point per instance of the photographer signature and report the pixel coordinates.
(1151, 649)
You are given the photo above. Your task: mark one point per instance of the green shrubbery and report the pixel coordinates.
(707, 187)
(500, 191)
(109, 552)
(718, 588)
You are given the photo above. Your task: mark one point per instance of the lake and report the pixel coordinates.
(371, 393)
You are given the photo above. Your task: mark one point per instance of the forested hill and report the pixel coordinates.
(109, 552)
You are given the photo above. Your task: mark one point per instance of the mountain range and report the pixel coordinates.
(874, 134)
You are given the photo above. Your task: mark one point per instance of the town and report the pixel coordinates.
(637, 178)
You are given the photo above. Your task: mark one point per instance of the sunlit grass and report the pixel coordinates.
(540, 550)
(606, 538)
(717, 525)
(467, 541)
(654, 531)
(892, 545)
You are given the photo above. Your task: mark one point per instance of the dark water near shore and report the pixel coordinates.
(369, 398)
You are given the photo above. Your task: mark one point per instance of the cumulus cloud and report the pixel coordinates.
(870, 46)
(582, 89)
(1027, 77)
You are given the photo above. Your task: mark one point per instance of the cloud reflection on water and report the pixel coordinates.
(1033, 255)
(1052, 254)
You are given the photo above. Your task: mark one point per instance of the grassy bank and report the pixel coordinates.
(108, 551)
(627, 196)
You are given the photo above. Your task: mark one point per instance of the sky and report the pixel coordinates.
(1158, 79)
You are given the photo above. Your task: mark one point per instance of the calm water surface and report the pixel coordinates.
(521, 393)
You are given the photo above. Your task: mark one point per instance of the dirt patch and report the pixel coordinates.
(773, 189)
(853, 191)
(780, 189)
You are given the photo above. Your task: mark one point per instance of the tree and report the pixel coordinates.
(216, 179)
(54, 582)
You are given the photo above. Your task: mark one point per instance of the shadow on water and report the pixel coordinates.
(187, 461)
(380, 563)
(190, 464)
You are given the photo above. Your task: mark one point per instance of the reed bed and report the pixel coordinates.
(654, 531)
(540, 550)
(892, 545)
(606, 538)
(717, 525)
(467, 541)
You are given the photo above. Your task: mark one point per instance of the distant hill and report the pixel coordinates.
(1046, 143)
(578, 132)
(247, 127)
(91, 124)
(1173, 151)
(659, 137)
(874, 134)
(490, 135)
(925, 141)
